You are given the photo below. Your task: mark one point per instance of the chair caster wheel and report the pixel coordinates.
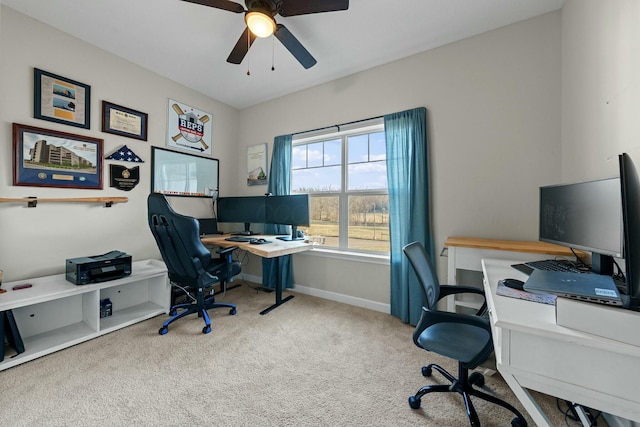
(414, 403)
(206, 329)
(232, 311)
(477, 379)
(426, 371)
(517, 422)
(163, 330)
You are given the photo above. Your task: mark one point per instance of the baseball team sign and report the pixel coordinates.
(189, 128)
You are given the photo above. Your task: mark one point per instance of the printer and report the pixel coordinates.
(98, 268)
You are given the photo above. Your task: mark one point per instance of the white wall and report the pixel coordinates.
(36, 241)
(493, 106)
(600, 87)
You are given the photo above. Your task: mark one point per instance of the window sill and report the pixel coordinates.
(382, 259)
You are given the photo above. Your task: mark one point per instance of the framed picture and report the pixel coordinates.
(123, 121)
(61, 100)
(49, 158)
(189, 129)
(257, 164)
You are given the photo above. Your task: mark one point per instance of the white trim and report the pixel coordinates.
(332, 296)
(381, 259)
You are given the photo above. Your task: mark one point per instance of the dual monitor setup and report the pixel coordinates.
(601, 217)
(292, 210)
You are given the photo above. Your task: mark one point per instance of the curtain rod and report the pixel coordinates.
(338, 126)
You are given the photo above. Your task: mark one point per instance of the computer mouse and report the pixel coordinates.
(258, 241)
(514, 284)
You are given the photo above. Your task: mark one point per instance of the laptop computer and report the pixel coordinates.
(585, 287)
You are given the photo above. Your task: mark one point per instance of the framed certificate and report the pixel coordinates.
(124, 121)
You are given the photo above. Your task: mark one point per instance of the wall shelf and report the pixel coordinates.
(32, 202)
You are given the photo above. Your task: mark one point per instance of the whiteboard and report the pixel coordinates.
(182, 174)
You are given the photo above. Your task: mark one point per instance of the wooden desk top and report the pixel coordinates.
(509, 245)
(274, 249)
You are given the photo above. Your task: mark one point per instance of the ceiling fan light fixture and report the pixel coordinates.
(260, 24)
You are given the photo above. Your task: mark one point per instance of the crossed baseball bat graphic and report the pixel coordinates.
(203, 119)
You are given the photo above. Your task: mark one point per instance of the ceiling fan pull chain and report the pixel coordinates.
(248, 46)
(273, 55)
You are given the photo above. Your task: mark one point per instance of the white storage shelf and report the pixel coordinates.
(54, 314)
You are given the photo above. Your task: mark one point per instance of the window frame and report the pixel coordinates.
(364, 127)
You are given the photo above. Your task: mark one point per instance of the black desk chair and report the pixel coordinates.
(189, 263)
(462, 337)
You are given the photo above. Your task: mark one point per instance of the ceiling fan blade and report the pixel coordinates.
(294, 46)
(242, 47)
(220, 4)
(305, 7)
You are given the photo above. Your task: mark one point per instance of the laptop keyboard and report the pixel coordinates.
(555, 265)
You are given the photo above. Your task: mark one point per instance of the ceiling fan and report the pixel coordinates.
(259, 17)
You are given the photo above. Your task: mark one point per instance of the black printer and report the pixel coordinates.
(98, 268)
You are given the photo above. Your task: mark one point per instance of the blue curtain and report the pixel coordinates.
(408, 178)
(279, 184)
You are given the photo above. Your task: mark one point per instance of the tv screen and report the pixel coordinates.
(290, 210)
(242, 209)
(585, 216)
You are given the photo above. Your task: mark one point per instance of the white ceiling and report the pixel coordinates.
(189, 43)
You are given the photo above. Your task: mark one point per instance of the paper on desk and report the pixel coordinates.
(527, 296)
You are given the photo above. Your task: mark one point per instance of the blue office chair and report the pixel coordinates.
(462, 337)
(189, 263)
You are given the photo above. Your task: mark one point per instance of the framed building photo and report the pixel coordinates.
(61, 100)
(49, 158)
(124, 121)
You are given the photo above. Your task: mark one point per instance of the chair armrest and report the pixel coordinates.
(225, 251)
(446, 290)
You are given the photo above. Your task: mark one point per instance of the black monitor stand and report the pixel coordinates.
(247, 231)
(294, 235)
(602, 264)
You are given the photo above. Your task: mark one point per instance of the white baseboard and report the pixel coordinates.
(333, 296)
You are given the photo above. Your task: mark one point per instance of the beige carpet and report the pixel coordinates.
(310, 362)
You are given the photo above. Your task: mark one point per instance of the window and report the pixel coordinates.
(345, 174)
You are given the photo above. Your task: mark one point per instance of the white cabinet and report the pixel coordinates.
(54, 314)
(467, 253)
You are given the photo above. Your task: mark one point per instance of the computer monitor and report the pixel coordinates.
(290, 210)
(585, 216)
(248, 210)
(630, 185)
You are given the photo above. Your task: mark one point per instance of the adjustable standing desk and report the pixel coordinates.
(533, 352)
(275, 250)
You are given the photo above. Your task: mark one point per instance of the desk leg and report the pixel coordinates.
(529, 403)
(279, 286)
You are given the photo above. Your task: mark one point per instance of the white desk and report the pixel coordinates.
(532, 352)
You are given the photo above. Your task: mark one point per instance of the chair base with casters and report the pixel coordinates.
(200, 305)
(464, 386)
